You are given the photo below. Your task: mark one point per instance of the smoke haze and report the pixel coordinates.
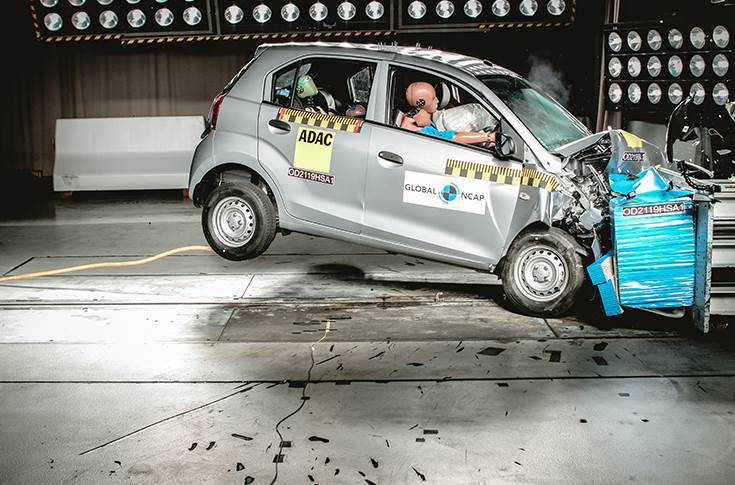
(543, 75)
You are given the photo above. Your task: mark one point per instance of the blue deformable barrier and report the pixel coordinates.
(654, 242)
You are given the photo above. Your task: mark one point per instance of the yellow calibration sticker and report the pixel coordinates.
(501, 175)
(320, 120)
(632, 140)
(313, 150)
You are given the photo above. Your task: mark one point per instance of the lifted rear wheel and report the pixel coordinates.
(543, 272)
(239, 220)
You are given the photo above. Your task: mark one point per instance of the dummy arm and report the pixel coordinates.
(408, 123)
(469, 137)
(474, 137)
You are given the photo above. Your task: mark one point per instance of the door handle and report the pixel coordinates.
(391, 157)
(280, 125)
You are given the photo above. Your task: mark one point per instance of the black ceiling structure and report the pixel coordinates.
(162, 21)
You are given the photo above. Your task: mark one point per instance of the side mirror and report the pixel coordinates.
(505, 147)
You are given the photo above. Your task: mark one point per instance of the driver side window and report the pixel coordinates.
(455, 110)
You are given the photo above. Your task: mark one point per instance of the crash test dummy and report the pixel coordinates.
(421, 96)
(307, 92)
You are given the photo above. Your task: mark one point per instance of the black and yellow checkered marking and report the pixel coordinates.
(273, 35)
(510, 25)
(79, 38)
(502, 175)
(34, 19)
(178, 39)
(319, 120)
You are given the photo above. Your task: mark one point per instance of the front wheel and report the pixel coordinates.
(239, 221)
(543, 272)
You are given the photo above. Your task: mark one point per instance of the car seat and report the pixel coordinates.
(443, 94)
(324, 100)
(309, 96)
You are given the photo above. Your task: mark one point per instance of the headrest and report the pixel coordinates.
(443, 94)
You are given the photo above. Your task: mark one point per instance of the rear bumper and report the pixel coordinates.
(202, 162)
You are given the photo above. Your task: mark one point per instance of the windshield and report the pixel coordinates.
(549, 122)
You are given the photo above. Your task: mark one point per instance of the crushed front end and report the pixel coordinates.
(648, 229)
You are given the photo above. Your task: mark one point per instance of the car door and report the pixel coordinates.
(439, 198)
(318, 160)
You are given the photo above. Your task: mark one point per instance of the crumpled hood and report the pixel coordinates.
(629, 154)
(571, 148)
(632, 155)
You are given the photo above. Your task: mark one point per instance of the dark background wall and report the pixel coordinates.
(73, 80)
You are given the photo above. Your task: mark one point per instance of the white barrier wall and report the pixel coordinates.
(125, 153)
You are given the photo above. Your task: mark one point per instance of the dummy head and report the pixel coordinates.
(422, 95)
(306, 87)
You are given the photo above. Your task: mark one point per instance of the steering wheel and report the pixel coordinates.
(491, 129)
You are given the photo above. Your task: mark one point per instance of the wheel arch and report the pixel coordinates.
(561, 245)
(230, 172)
(253, 216)
(580, 248)
(536, 225)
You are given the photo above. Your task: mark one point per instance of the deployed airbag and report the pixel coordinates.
(468, 117)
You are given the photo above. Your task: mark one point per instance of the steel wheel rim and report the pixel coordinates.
(541, 273)
(233, 222)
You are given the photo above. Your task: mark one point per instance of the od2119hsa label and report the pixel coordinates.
(654, 209)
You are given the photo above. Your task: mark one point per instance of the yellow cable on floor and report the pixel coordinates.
(109, 264)
(326, 331)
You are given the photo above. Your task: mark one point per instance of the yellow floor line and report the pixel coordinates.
(109, 264)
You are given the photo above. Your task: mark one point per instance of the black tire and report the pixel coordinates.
(535, 256)
(247, 204)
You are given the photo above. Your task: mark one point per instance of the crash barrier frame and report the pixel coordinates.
(723, 248)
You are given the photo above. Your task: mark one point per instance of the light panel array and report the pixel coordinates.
(136, 21)
(420, 14)
(289, 15)
(238, 16)
(148, 21)
(126, 17)
(656, 66)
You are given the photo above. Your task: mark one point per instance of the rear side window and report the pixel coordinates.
(283, 83)
(360, 84)
(325, 85)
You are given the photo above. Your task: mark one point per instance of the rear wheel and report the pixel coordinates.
(543, 272)
(239, 220)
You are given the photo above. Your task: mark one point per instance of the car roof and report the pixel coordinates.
(411, 54)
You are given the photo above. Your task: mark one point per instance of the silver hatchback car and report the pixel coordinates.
(308, 137)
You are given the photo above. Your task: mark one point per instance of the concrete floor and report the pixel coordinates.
(341, 363)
